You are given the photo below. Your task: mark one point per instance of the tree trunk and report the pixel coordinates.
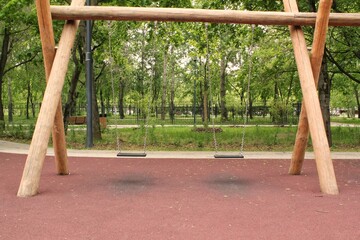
(290, 90)
(102, 103)
(95, 117)
(206, 91)
(357, 96)
(201, 107)
(32, 106)
(122, 86)
(224, 113)
(108, 104)
(72, 95)
(250, 107)
(324, 89)
(142, 71)
(164, 87)
(28, 100)
(205, 97)
(3, 60)
(312, 5)
(172, 93)
(276, 96)
(10, 102)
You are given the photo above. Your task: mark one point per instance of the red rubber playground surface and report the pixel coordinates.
(108, 198)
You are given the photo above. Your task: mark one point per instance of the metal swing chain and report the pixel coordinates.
(248, 89)
(210, 89)
(148, 111)
(150, 93)
(111, 60)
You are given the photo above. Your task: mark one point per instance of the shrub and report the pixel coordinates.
(279, 112)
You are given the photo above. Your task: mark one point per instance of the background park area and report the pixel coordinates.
(170, 84)
(182, 91)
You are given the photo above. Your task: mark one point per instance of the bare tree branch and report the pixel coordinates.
(101, 72)
(331, 58)
(20, 63)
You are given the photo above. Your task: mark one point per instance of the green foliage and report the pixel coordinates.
(9, 7)
(135, 60)
(279, 112)
(2, 127)
(10, 10)
(18, 132)
(269, 5)
(144, 3)
(346, 136)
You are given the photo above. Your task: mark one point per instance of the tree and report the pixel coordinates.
(78, 61)
(13, 17)
(3, 60)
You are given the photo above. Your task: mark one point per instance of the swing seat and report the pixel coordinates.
(132, 154)
(228, 156)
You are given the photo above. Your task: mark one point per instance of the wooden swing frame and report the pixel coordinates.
(56, 65)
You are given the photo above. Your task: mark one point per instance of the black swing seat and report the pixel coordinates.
(131, 154)
(228, 156)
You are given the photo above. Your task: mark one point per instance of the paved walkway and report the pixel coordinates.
(10, 147)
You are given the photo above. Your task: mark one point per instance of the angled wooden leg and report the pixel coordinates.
(324, 164)
(29, 184)
(48, 49)
(317, 52)
(301, 140)
(59, 143)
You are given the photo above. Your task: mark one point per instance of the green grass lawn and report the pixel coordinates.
(346, 120)
(182, 138)
(257, 138)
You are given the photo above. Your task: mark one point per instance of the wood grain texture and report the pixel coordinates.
(324, 163)
(30, 180)
(48, 49)
(197, 15)
(317, 53)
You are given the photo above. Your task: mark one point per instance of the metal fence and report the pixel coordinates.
(181, 114)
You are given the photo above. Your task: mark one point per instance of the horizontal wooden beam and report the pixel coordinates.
(197, 15)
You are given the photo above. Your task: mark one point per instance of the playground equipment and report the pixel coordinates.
(240, 154)
(121, 153)
(56, 68)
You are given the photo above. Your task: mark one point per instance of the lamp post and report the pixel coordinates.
(89, 84)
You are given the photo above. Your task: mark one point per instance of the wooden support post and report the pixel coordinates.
(324, 164)
(29, 184)
(48, 49)
(317, 53)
